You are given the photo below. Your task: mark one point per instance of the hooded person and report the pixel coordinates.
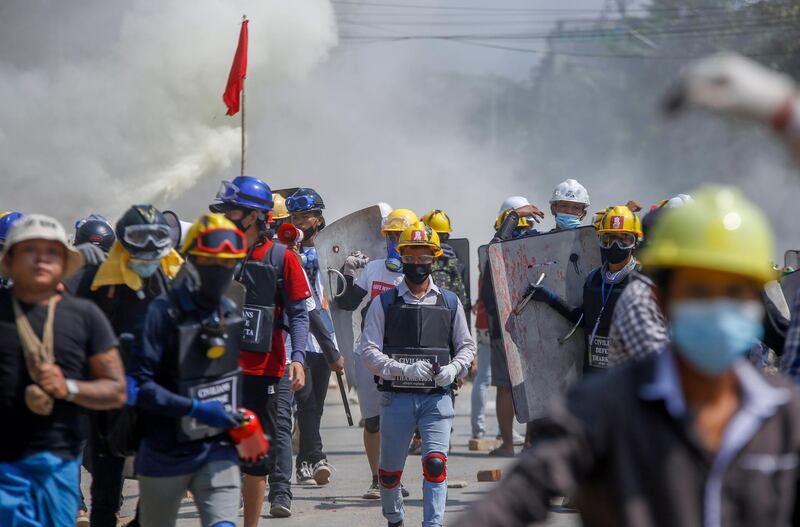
(59, 356)
(187, 370)
(361, 287)
(694, 435)
(277, 291)
(618, 235)
(140, 264)
(416, 342)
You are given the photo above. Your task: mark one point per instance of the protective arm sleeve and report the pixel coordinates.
(320, 332)
(563, 309)
(298, 328)
(145, 362)
(352, 296)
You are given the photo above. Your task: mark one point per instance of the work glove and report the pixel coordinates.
(92, 254)
(355, 261)
(419, 371)
(213, 413)
(447, 375)
(733, 85)
(540, 293)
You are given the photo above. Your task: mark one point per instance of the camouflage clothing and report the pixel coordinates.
(447, 273)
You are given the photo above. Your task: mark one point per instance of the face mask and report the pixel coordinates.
(214, 282)
(614, 254)
(417, 273)
(392, 257)
(144, 268)
(712, 334)
(567, 221)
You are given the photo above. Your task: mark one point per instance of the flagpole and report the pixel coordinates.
(244, 18)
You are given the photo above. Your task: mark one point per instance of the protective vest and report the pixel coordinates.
(414, 332)
(263, 280)
(599, 300)
(198, 376)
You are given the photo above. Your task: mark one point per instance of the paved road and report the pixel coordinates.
(340, 505)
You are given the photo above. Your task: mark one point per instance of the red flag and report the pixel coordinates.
(238, 72)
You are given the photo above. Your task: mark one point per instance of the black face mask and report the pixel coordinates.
(614, 254)
(214, 282)
(417, 273)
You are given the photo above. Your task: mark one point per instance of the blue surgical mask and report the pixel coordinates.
(144, 268)
(567, 221)
(712, 334)
(393, 262)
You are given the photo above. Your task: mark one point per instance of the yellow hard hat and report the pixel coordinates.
(523, 222)
(619, 219)
(216, 236)
(279, 210)
(418, 235)
(598, 217)
(398, 220)
(438, 221)
(720, 230)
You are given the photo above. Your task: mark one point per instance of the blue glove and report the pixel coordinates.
(213, 413)
(131, 391)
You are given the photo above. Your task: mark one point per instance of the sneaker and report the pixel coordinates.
(398, 524)
(322, 472)
(403, 491)
(281, 507)
(304, 476)
(373, 492)
(82, 520)
(517, 439)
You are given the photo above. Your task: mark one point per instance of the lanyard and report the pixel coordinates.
(605, 298)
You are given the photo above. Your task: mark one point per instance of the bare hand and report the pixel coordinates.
(297, 375)
(530, 210)
(51, 380)
(338, 366)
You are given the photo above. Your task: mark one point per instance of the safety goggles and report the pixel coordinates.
(624, 240)
(423, 259)
(300, 203)
(395, 224)
(142, 236)
(215, 241)
(228, 192)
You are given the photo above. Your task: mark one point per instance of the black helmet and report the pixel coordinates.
(144, 232)
(95, 230)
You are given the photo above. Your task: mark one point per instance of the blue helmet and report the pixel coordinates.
(244, 191)
(304, 199)
(6, 220)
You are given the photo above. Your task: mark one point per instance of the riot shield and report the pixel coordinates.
(359, 231)
(461, 248)
(790, 283)
(542, 363)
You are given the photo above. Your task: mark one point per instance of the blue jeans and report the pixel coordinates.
(280, 478)
(401, 413)
(480, 386)
(39, 491)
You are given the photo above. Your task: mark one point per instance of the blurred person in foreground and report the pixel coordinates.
(687, 437)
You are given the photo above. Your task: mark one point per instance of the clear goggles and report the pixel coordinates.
(141, 236)
(624, 240)
(227, 191)
(423, 259)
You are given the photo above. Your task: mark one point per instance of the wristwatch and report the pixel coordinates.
(72, 389)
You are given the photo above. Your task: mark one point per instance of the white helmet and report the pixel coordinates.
(513, 202)
(570, 190)
(678, 201)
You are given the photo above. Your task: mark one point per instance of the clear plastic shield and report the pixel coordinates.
(359, 231)
(542, 363)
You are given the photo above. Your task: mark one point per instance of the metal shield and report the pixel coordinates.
(541, 363)
(358, 231)
(461, 248)
(790, 283)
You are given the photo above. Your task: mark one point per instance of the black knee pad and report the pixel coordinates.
(434, 467)
(372, 424)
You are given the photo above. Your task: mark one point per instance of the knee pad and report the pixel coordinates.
(372, 424)
(434, 467)
(225, 523)
(389, 480)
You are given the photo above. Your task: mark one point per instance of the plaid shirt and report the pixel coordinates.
(790, 361)
(638, 328)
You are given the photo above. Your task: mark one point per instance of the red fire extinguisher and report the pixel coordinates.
(249, 438)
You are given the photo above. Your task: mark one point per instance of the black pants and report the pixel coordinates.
(260, 396)
(107, 479)
(310, 404)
